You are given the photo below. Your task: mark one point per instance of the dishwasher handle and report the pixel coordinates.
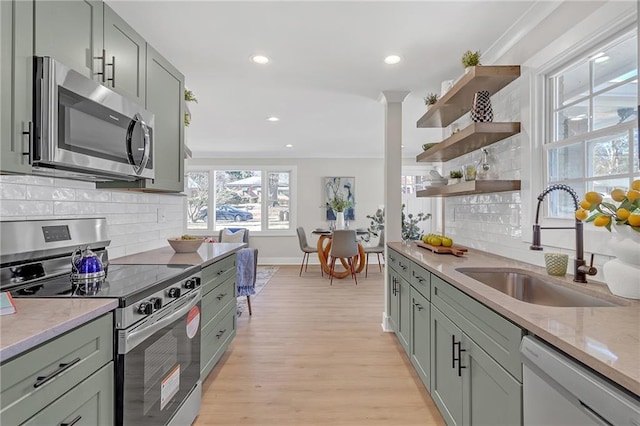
(595, 394)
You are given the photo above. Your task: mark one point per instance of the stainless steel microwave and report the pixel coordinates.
(84, 130)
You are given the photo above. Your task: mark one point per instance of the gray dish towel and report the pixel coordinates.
(246, 278)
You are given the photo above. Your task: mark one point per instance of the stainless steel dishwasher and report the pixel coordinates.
(557, 390)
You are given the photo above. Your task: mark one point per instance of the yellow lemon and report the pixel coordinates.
(593, 197)
(622, 213)
(634, 220)
(636, 185)
(618, 195)
(581, 214)
(585, 204)
(447, 242)
(602, 221)
(632, 194)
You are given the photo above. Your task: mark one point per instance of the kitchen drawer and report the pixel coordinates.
(400, 264)
(421, 280)
(496, 335)
(90, 403)
(218, 272)
(215, 339)
(215, 300)
(84, 350)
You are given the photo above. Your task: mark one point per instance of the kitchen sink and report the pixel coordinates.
(532, 288)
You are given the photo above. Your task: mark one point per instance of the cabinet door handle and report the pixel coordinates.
(113, 71)
(404, 267)
(41, 380)
(72, 422)
(453, 351)
(419, 306)
(219, 335)
(29, 133)
(221, 296)
(459, 357)
(420, 279)
(103, 67)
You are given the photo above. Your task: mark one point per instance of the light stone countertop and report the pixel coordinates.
(39, 320)
(207, 254)
(606, 339)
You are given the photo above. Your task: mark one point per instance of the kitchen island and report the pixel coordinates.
(606, 339)
(207, 254)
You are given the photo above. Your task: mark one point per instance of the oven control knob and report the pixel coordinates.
(156, 302)
(190, 283)
(173, 292)
(145, 308)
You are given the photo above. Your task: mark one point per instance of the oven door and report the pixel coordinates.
(158, 363)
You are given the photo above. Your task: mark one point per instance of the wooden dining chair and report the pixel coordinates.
(343, 246)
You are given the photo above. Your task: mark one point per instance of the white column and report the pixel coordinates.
(392, 175)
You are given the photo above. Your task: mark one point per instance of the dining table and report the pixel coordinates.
(324, 247)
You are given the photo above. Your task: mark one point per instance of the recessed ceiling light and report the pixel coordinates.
(260, 59)
(601, 59)
(392, 59)
(273, 119)
(288, 145)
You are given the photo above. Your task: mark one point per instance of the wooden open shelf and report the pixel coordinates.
(457, 101)
(471, 138)
(470, 187)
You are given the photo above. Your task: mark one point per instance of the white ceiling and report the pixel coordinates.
(326, 72)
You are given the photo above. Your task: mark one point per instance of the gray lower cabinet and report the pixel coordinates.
(16, 76)
(420, 336)
(165, 91)
(399, 298)
(65, 378)
(219, 312)
(466, 355)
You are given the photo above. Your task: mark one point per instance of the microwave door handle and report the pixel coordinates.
(138, 168)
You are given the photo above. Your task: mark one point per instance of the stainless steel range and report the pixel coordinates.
(157, 326)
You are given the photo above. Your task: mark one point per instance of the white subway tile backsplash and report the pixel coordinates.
(131, 217)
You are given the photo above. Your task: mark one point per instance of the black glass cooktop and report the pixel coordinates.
(129, 283)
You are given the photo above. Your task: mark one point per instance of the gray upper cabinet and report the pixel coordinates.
(16, 72)
(71, 32)
(165, 92)
(125, 60)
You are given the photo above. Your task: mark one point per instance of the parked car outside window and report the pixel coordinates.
(225, 212)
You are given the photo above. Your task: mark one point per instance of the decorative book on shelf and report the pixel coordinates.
(7, 305)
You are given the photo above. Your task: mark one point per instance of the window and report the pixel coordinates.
(257, 199)
(593, 123)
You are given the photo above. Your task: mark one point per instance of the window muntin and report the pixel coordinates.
(593, 143)
(235, 196)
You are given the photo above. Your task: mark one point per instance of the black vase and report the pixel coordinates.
(481, 111)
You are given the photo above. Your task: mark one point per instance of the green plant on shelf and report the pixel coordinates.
(471, 59)
(431, 99)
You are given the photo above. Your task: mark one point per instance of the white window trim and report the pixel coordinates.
(293, 200)
(608, 23)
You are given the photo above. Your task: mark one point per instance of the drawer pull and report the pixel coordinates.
(419, 306)
(41, 380)
(73, 422)
(219, 335)
(221, 296)
(420, 279)
(404, 267)
(220, 273)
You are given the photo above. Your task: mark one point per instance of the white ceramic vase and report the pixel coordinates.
(622, 274)
(340, 220)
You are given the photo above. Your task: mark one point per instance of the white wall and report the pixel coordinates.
(369, 193)
(132, 218)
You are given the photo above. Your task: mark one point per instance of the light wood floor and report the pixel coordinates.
(314, 354)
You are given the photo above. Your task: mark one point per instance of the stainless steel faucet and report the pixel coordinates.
(580, 268)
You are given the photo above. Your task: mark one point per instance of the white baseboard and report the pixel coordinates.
(386, 323)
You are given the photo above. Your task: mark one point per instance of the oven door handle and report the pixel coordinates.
(144, 331)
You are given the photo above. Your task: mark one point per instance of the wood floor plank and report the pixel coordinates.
(315, 354)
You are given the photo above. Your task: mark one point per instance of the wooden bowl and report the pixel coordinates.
(185, 246)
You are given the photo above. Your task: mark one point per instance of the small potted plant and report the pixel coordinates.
(430, 99)
(470, 59)
(455, 176)
(188, 97)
